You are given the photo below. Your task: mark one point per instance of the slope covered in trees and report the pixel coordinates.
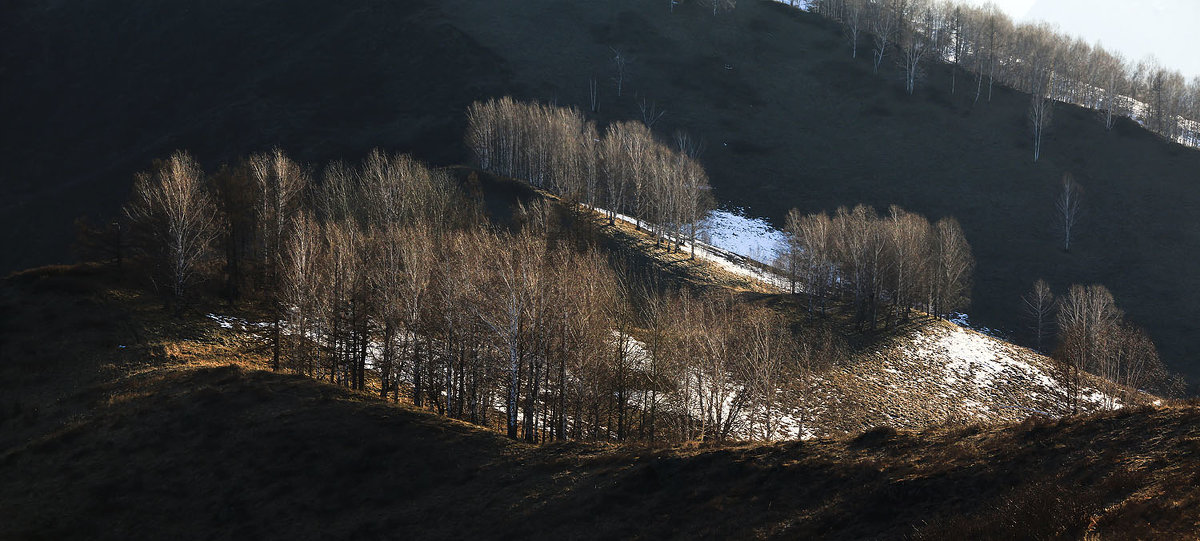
(145, 425)
(563, 323)
(790, 120)
(787, 117)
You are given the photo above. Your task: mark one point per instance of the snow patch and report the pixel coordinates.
(963, 320)
(739, 237)
(747, 236)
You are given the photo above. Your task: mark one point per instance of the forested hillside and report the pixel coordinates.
(446, 269)
(149, 425)
(93, 91)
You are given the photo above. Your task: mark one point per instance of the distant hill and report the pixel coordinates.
(93, 91)
(148, 426)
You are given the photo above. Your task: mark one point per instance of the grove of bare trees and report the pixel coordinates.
(626, 171)
(384, 276)
(1034, 58)
(1095, 337)
(884, 265)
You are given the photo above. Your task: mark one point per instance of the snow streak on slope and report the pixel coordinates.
(739, 235)
(749, 237)
(737, 265)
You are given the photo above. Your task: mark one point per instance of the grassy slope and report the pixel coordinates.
(797, 123)
(92, 92)
(180, 435)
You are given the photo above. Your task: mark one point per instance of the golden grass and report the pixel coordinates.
(186, 421)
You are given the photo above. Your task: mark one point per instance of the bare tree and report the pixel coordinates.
(376, 284)
(722, 5)
(853, 24)
(818, 267)
(650, 113)
(1032, 57)
(1039, 308)
(279, 181)
(957, 34)
(954, 266)
(883, 25)
(502, 302)
(177, 219)
(1112, 79)
(912, 49)
(1041, 113)
(300, 284)
(1133, 365)
(720, 396)
(909, 236)
(594, 94)
(1086, 319)
(621, 67)
(793, 250)
(1067, 209)
(769, 348)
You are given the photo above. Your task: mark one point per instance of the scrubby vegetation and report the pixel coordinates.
(375, 277)
(530, 338)
(149, 425)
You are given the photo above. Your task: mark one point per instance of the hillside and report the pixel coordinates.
(927, 372)
(93, 91)
(147, 426)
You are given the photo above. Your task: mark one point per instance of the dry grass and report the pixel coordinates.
(182, 435)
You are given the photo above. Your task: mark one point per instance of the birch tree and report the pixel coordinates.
(853, 23)
(883, 25)
(280, 182)
(177, 221)
(1067, 207)
(1039, 306)
(621, 68)
(1086, 319)
(913, 47)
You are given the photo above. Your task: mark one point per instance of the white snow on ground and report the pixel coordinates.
(801, 4)
(963, 320)
(749, 237)
(224, 321)
(230, 322)
(981, 366)
(981, 375)
(733, 264)
(962, 369)
(975, 358)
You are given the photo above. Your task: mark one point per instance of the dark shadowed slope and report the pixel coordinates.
(796, 123)
(91, 92)
(98, 89)
(178, 435)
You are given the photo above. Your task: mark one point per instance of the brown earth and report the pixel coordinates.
(120, 421)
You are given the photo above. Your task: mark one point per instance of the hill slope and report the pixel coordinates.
(93, 91)
(926, 372)
(140, 427)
